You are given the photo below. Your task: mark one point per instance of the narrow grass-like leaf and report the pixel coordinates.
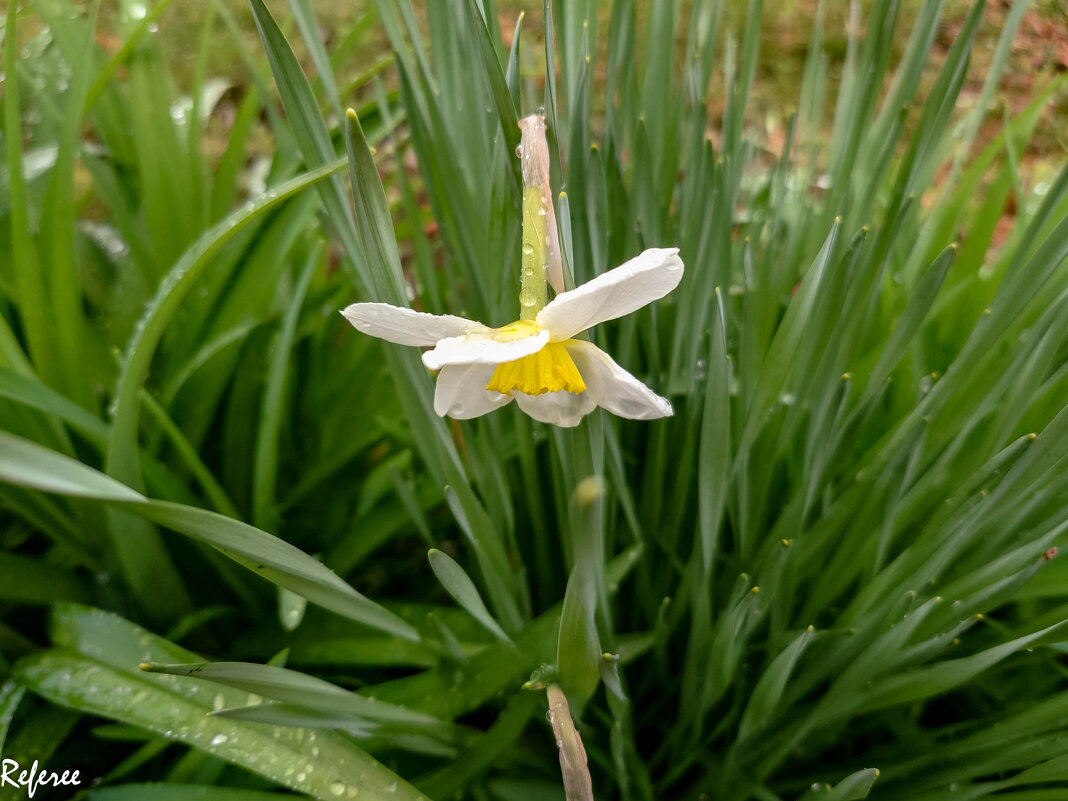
(309, 30)
(11, 693)
(293, 687)
(923, 297)
(57, 233)
(275, 713)
(769, 689)
(459, 585)
(318, 150)
(781, 352)
(87, 685)
(264, 513)
(511, 71)
(507, 113)
(28, 277)
(482, 754)
(941, 677)
(18, 386)
(30, 465)
(373, 220)
(852, 788)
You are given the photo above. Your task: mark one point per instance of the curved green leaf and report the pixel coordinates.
(30, 465)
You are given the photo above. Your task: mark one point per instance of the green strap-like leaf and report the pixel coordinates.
(27, 464)
(286, 757)
(294, 687)
(459, 585)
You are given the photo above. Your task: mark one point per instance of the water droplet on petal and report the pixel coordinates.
(219, 739)
(337, 788)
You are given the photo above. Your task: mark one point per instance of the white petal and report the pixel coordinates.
(565, 409)
(647, 277)
(461, 391)
(405, 326)
(482, 348)
(612, 387)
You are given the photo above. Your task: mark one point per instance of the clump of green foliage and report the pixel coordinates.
(829, 575)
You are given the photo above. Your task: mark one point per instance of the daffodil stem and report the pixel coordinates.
(533, 292)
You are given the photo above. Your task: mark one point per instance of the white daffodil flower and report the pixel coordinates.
(552, 376)
(536, 360)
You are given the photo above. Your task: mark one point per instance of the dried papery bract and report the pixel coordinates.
(541, 247)
(576, 775)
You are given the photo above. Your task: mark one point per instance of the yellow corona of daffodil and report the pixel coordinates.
(536, 360)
